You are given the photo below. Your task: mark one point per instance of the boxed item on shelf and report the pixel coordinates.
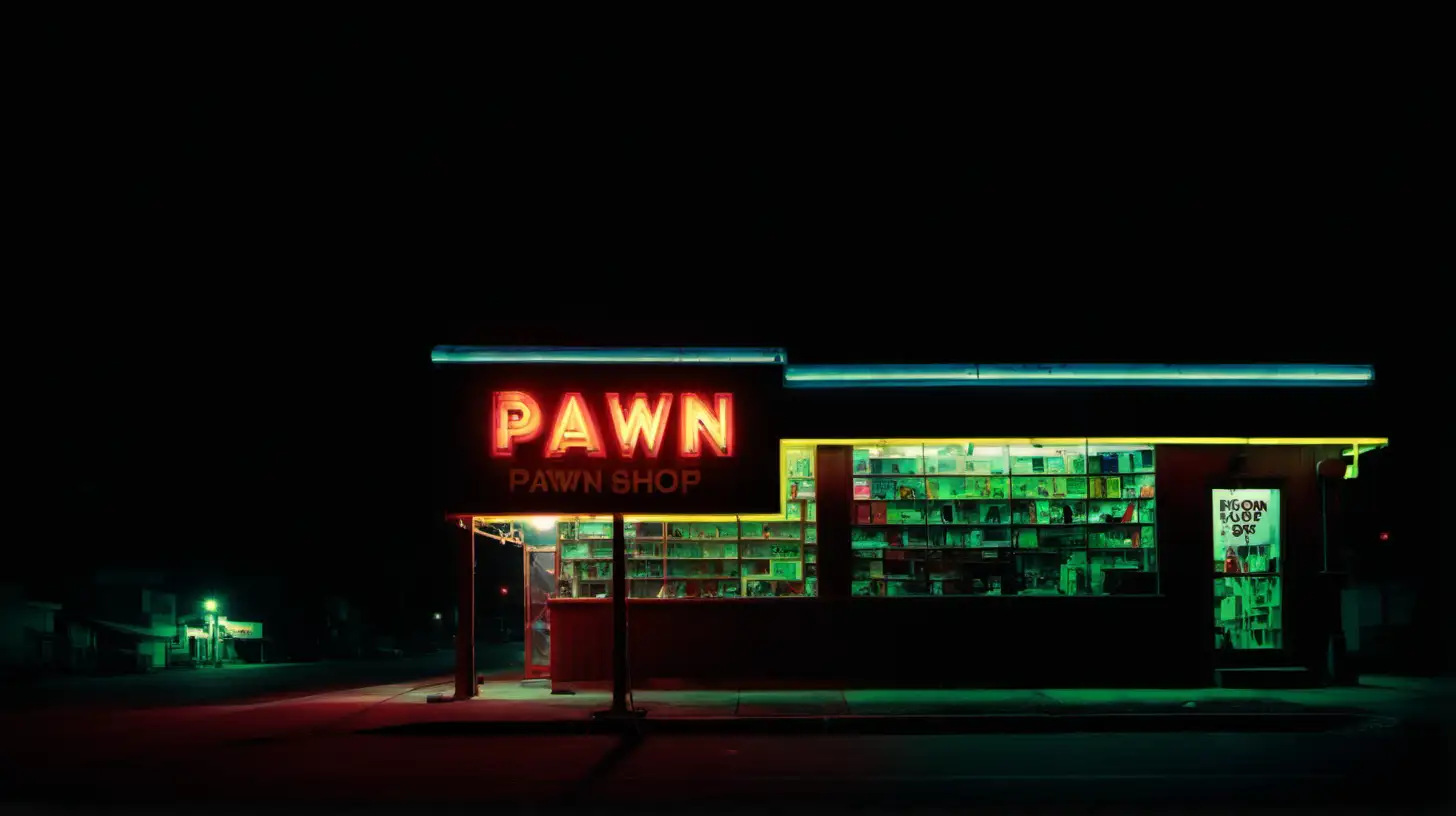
(786, 570)
(1073, 579)
(1232, 607)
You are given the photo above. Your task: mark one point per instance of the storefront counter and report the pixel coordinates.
(1136, 641)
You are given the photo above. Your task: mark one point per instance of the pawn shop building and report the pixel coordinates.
(1011, 525)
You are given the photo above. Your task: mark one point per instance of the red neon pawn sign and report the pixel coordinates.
(516, 417)
(638, 425)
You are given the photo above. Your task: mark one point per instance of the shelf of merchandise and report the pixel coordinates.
(801, 488)
(693, 559)
(700, 560)
(584, 556)
(1260, 610)
(772, 555)
(998, 515)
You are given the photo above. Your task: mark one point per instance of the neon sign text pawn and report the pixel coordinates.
(516, 417)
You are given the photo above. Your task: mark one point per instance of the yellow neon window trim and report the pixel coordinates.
(785, 444)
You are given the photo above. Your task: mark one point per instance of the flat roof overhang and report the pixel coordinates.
(908, 375)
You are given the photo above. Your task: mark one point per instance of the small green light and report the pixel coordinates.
(210, 605)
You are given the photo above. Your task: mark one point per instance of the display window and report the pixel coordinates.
(1058, 517)
(941, 517)
(684, 558)
(707, 558)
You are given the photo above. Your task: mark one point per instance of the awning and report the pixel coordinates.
(139, 632)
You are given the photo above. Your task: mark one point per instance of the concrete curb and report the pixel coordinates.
(897, 725)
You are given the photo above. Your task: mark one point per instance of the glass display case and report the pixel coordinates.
(958, 518)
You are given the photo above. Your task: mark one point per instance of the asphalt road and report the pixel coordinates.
(317, 750)
(1382, 771)
(236, 683)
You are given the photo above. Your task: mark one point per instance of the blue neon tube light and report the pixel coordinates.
(1067, 375)
(581, 354)
(1075, 375)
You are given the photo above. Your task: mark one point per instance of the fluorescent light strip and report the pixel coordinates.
(925, 376)
(565, 354)
(1097, 440)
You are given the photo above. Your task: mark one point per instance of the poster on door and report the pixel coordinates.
(1245, 529)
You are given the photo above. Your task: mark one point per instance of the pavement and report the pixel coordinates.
(238, 682)
(508, 706)
(1383, 744)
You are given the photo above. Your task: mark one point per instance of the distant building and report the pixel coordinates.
(27, 632)
(132, 622)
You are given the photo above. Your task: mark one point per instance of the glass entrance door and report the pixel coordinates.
(540, 588)
(1248, 569)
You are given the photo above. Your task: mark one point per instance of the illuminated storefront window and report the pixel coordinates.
(940, 517)
(708, 557)
(963, 518)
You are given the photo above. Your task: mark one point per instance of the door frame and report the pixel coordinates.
(1244, 658)
(535, 671)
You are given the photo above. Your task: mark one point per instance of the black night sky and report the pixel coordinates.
(281, 228)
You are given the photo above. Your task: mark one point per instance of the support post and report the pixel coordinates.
(833, 466)
(619, 614)
(621, 690)
(465, 685)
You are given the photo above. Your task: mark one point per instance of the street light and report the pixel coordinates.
(211, 606)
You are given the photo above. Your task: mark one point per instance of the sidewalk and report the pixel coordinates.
(513, 707)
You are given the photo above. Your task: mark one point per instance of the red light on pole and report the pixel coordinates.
(505, 590)
(1385, 536)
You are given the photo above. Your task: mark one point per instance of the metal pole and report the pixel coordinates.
(621, 686)
(465, 686)
(619, 615)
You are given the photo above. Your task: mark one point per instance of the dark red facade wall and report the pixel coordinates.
(1128, 641)
(741, 638)
(882, 641)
